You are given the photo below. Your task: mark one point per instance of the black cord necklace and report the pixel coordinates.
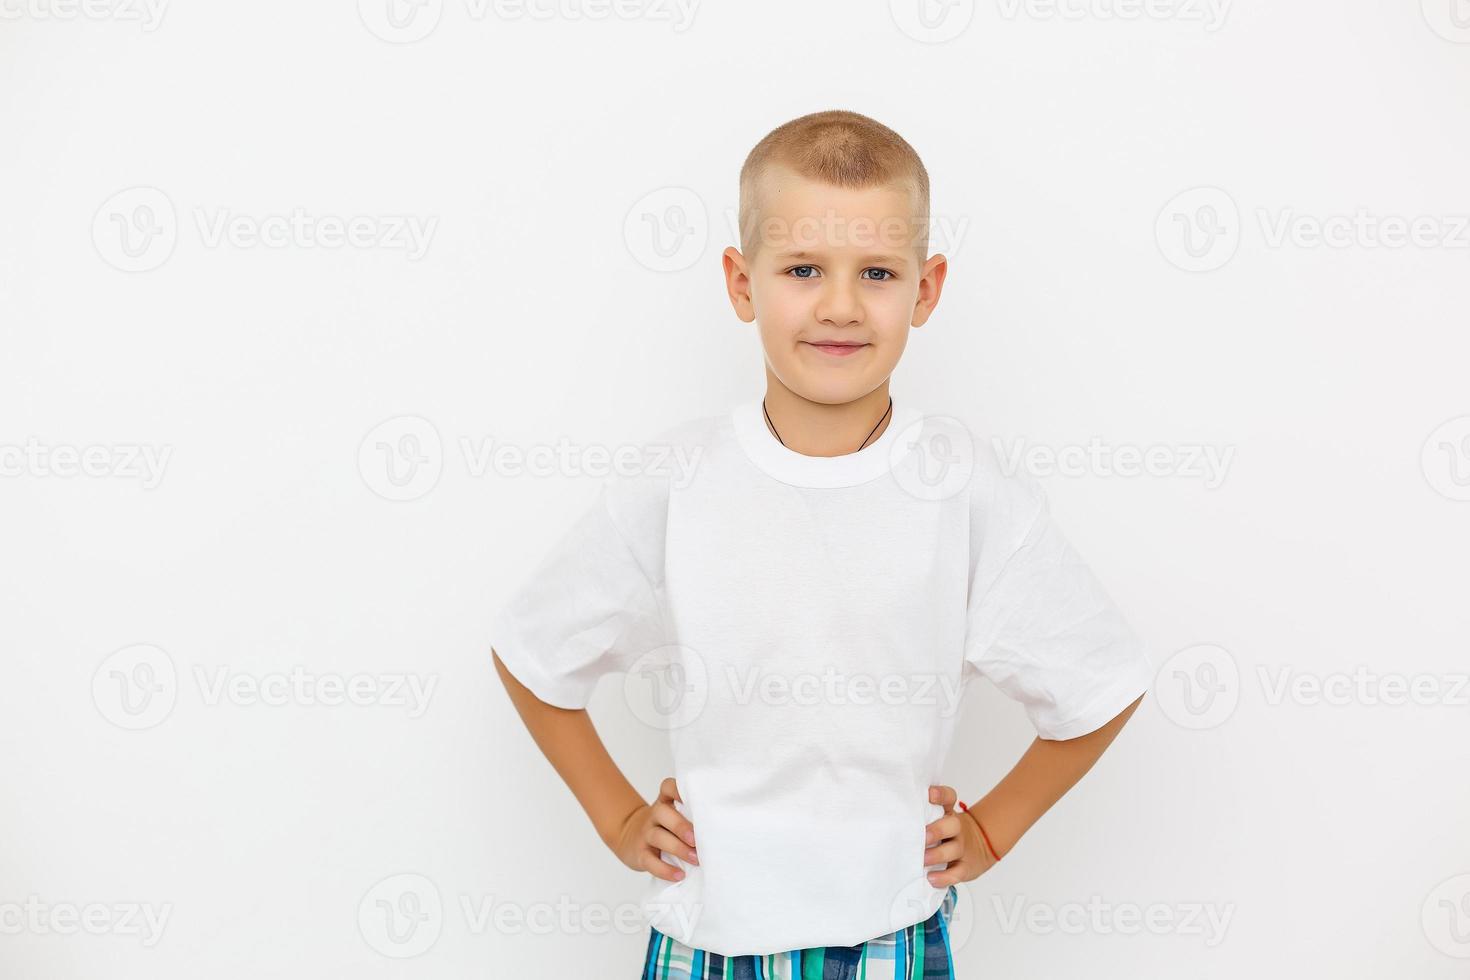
(865, 441)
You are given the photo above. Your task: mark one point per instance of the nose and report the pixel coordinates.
(839, 304)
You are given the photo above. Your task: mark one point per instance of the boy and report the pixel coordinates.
(819, 590)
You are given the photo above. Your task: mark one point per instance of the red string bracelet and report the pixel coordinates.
(983, 835)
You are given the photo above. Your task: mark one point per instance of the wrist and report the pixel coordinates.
(611, 825)
(1000, 831)
(986, 847)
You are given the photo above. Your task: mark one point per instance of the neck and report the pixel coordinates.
(819, 429)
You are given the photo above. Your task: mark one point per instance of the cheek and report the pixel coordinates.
(782, 307)
(780, 293)
(892, 305)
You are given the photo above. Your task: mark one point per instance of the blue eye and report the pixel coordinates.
(807, 267)
(885, 272)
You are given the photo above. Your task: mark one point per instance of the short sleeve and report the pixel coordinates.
(1040, 625)
(593, 604)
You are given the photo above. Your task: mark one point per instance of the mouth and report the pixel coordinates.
(836, 348)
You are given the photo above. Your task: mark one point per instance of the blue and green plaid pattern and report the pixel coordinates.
(919, 952)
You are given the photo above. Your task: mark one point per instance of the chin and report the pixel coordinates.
(828, 388)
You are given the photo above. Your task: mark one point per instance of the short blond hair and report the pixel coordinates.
(846, 149)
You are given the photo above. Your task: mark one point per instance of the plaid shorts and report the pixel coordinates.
(919, 952)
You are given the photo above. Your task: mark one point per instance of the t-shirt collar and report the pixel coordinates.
(824, 472)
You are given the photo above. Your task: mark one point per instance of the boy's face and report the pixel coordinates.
(835, 282)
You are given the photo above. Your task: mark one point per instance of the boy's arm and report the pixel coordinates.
(571, 744)
(1044, 774)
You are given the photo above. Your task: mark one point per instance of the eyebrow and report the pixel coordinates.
(889, 259)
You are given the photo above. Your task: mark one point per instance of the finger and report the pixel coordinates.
(943, 828)
(943, 795)
(660, 868)
(952, 875)
(668, 843)
(664, 815)
(669, 790)
(944, 853)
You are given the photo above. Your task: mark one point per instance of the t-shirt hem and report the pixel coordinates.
(1104, 708)
(524, 668)
(692, 940)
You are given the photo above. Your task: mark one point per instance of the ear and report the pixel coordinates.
(931, 284)
(737, 284)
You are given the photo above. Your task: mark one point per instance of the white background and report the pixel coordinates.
(1328, 837)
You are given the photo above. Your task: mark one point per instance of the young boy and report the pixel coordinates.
(819, 590)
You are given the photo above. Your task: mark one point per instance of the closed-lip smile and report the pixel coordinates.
(837, 348)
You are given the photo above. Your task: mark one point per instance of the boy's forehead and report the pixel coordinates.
(796, 212)
(782, 191)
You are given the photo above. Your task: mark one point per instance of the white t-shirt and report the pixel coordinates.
(803, 627)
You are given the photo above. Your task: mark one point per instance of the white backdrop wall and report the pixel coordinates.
(250, 723)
